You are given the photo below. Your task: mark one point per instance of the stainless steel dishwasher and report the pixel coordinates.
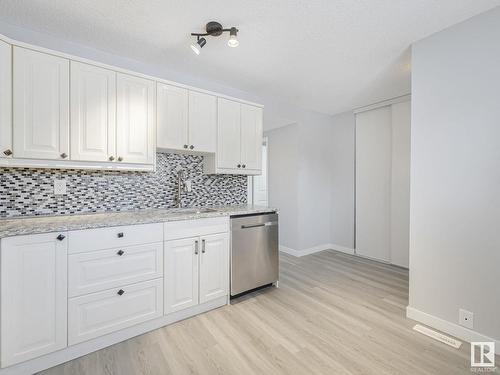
(254, 251)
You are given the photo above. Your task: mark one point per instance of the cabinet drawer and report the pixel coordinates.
(106, 238)
(192, 228)
(98, 314)
(105, 269)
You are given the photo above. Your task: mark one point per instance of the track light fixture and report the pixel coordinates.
(214, 29)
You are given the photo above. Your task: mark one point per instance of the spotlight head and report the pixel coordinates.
(196, 47)
(233, 40)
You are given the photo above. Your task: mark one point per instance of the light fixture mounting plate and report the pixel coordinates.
(214, 28)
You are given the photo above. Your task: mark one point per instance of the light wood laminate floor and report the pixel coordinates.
(332, 314)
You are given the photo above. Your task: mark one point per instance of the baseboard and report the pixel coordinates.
(342, 249)
(315, 249)
(449, 328)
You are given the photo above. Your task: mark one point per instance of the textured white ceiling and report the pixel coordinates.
(325, 55)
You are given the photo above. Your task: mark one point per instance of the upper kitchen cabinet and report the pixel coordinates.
(202, 122)
(187, 120)
(239, 140)
(229, 135)
(251, 137)
(41, 105)
(5, 100)
(93, 113)
(136, 119)
(172, 117)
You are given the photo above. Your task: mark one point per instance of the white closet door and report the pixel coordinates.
(373, 183)
(400, 184)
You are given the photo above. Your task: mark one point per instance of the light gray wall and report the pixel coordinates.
(342, 180)
(282, 181)
(314, 180)
(455, 174)
(299, 180)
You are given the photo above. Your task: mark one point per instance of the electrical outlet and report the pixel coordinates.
(59, 187)
(466, 318)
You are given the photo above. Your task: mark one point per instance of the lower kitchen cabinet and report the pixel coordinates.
(196, 271)
(214, 266)
(33, 296)
(181, 274)
(97, 314)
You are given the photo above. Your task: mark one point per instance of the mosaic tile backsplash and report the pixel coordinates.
(30, 192)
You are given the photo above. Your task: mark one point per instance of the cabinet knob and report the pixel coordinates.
(7, 152)
(191, 147)
(64, 155)
(120, 158)
(120, 292)
(239, 165)
(120, 235)
(111, 158)
(120, 252)
(185, 146)
(243, 165)
(61, 237)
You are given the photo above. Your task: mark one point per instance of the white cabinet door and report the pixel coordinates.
(202, 121)
(93, 113)
(5, 100)
(181, 274)
(251, 137)
(41, 105)
(98, 314)
(172, 110)
(136, 119)
(34, 299)
(214, 268)
(228, 134)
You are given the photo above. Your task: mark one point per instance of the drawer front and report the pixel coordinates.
(98, 314)
(191, 228)
(105, 269)
(107, 238)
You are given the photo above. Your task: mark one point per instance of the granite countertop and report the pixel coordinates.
(62, 223)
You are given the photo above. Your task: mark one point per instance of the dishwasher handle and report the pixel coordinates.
(268, 224)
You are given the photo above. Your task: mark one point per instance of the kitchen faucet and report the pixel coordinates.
(180, 188)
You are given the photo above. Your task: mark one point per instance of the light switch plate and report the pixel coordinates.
(59, 187)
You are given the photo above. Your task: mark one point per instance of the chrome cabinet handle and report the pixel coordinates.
(196, 247)
(203, 246)
(239, 165)
(120, 252)
(120, 235)
(7, 152)
(64, 155)
(185, 146)
(120, 158)
(191, 147)
(120, 292)
(61, 237)
(111, 158)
